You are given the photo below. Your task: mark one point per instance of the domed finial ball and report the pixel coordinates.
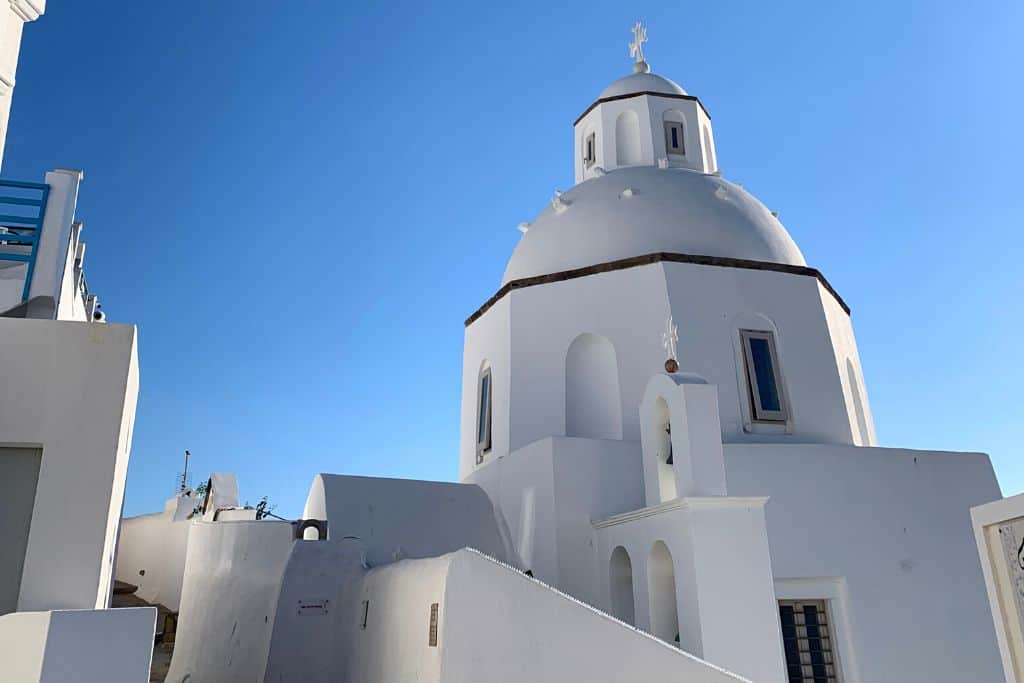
(671, 365)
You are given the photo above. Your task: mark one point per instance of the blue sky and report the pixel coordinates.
(299, 203)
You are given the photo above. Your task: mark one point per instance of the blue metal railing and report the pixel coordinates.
(22, 230)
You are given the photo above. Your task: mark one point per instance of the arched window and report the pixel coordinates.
(858, 404)
(666, 470)
(589, 149)
(627, 139)
(764, 379)
(620, 577)
(593, 407)
(661, 581)
(484, 402)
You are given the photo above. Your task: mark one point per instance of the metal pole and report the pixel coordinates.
(184, 476)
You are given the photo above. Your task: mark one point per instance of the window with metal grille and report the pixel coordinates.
(807, 639)
(432, 632)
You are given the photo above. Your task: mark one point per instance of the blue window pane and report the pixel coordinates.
(764, 374)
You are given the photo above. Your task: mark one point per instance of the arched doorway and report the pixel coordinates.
(661, 582)
(593, 407)
(620, 578)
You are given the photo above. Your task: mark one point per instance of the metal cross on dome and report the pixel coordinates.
(636, 48)
(669, 338)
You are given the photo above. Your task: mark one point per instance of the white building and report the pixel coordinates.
(68, 388)
(714, 481)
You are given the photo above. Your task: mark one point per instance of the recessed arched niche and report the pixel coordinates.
(710, 163)
(627, 139)
(593, 404)
(858, 404)
(620, 578)
(661, 581)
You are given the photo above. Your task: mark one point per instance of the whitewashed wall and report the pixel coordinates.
(545, 637)
(400, 518)
(229, 598)
(114, 646)
(717, 548)
(529, 402)
(487, 342)
(650, 112)
(70, 388)
(551, 492)
(851, 374)
(13, 16)
(393, 648)
(318, 615)
(892, 527)
(151, 555)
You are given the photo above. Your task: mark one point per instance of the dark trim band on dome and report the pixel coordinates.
(638, 94)
(648, 259)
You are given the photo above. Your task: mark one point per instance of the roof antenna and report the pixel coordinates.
(184, 475)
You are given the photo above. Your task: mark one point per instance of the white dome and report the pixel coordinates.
(666, 210)
(641, 82)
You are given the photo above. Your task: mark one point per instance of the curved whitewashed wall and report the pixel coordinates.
(229, 597)
(151, 555)
(405, 518)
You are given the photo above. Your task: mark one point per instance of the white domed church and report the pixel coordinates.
(731, 502)
(669, 472)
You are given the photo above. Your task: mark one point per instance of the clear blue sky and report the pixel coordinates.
(299, 203)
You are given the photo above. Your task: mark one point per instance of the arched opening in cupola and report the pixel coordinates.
(593, 407)
(661, 581)
(627, 139)
(620, 577)
(663, 452)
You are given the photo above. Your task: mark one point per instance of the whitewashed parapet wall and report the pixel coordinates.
(113, 646)
(13, 16)
(69, 391)
(258, 605)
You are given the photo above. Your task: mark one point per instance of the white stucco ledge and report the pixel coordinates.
(691, 503)
(687, 378)
(110, 645)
